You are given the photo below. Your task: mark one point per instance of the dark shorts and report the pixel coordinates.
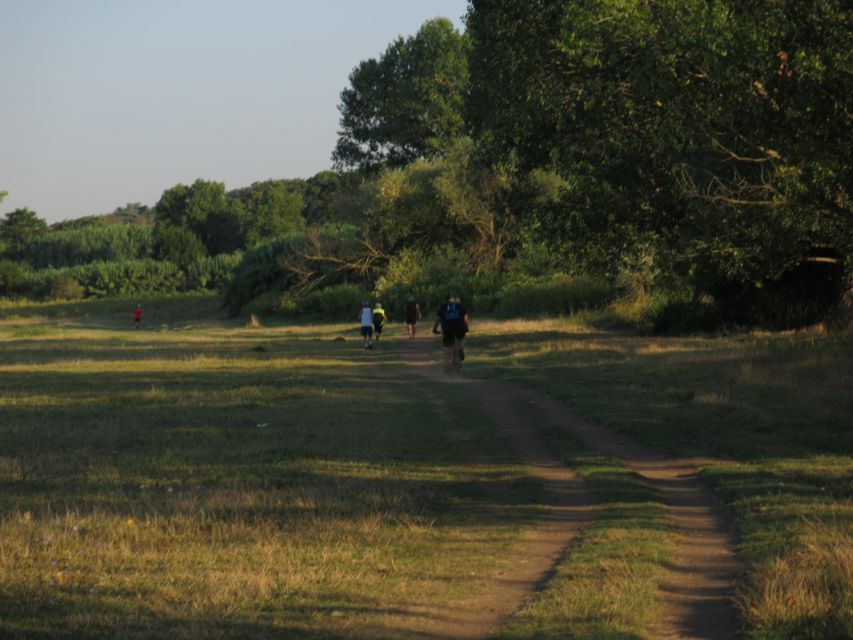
(367, 332)
(411, 319)
(451, 332)
(377, 327)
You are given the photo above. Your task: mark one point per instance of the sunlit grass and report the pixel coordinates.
(773, 409)
(223, 481)
(200, 478)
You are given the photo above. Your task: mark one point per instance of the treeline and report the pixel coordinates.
(688, 160)
(191, 239)
(693, 156)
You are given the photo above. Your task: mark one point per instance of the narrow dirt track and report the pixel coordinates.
(568, 505)
(697, 594)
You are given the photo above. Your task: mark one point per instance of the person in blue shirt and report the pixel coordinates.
(452, 317)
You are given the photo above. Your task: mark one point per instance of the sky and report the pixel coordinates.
(106, 102)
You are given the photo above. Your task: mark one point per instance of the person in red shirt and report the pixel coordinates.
(137, 316)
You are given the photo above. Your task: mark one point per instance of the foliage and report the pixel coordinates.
(13, 277)
(18, 229)
(66, 288)
(715, 130)
(337, 303)
(407, 104)
(476, 199)
(413, 268)
(268, 303)
(79, 223)
(555, 294)
(333, 198)
(300, 263)
(76, 245)
(270, 209)
(116, 278)
(430, 275)
(405, 210)
(212, 272)
(132, 213)
(203, 208)
(449, 200)
(178, 245)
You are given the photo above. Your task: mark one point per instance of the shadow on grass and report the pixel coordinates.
(81, 615)
(704, 397)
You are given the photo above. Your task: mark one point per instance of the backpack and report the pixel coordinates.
(451, 312)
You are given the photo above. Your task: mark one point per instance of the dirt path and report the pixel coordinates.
(568, 505)
(697, 594)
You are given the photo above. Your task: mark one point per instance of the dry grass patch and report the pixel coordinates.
(805, 592)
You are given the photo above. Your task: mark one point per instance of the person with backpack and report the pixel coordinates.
(453, 319)
(413, 314)
(366, 317)
(379, 319)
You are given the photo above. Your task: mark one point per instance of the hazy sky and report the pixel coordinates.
(105, 102)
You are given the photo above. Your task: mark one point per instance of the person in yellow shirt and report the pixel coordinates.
(379, 318)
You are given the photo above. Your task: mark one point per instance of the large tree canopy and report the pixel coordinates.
(719, 128)
(18, 228)
(408, 103)
(270, 209)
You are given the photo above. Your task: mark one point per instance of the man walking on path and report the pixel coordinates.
(453, 318)
(366, 318)
(137, 316)
(413, 314)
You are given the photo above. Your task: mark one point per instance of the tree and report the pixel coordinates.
(190, 206)
(408, 103)
(713, 130)
(203, 209)
(19, 228)
(270, 209)
(477, 202)
(178, 245)
(333, 197)
(405, 209)
(13, 277)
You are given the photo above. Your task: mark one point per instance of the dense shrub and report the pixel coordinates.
(297, 263)
(66, 288)
(118, 278)
(681, 315)
(212, 272)
(13, 277)
(267, 304)
(178, 245)
(429, 276)
(550, 295)
(99, 242)
(338, 303)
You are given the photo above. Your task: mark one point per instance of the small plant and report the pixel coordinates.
(66, 288)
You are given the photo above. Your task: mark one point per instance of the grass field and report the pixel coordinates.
(772, 415)
(203, 479)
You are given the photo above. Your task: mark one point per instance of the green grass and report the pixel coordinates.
(606, 587)
(203, 478)
(213, 480)
(769, 413)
